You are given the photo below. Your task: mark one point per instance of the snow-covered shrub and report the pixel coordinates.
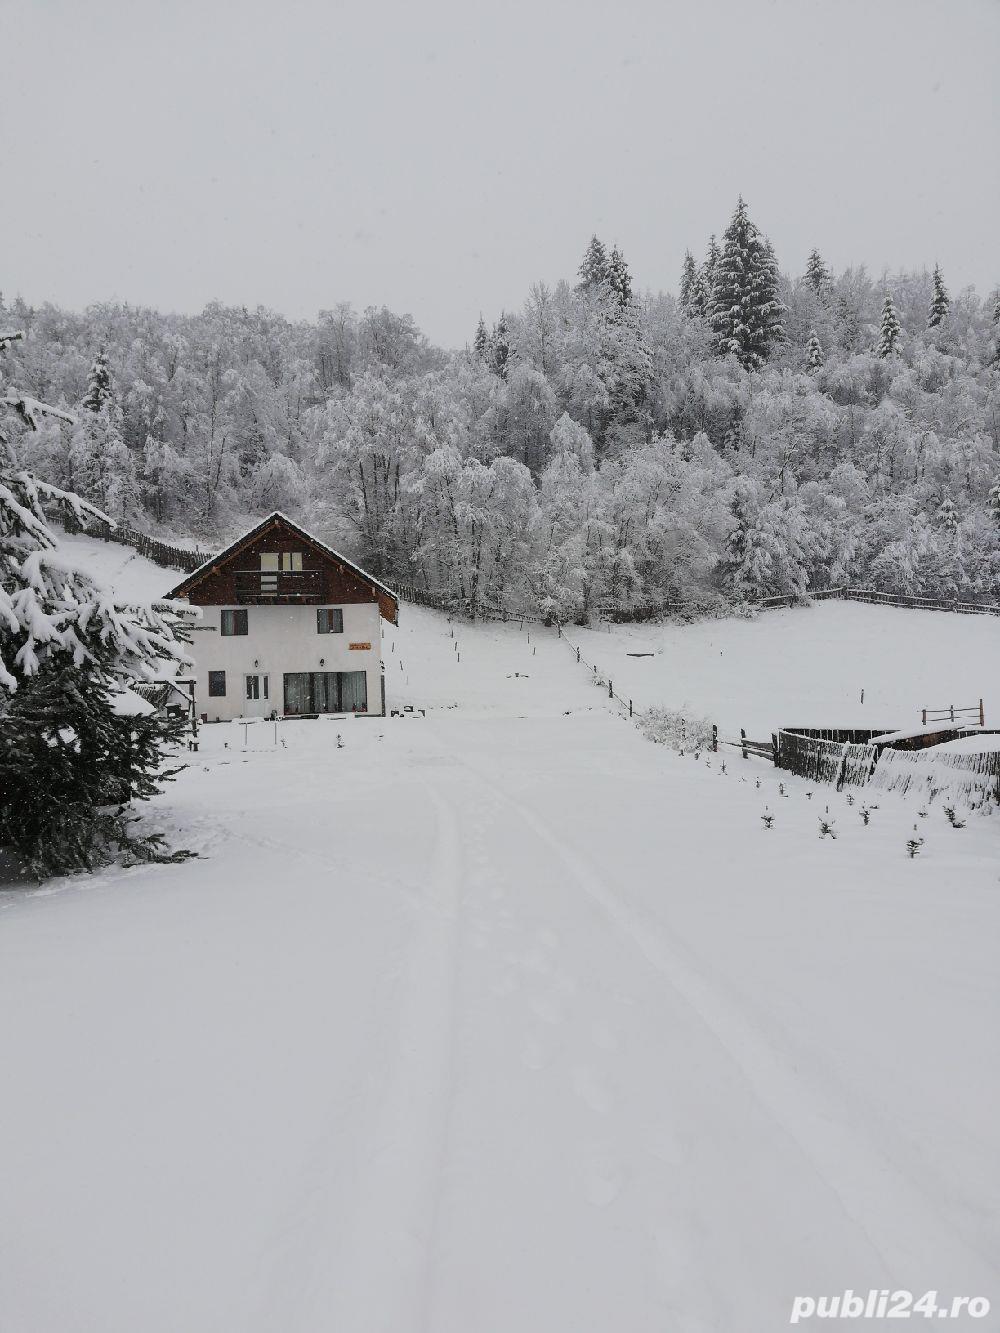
(666, 726)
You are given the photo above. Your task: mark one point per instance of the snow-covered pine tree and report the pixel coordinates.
(889, 329)
(746, 309)
(947, 516)
(98, 384)
(481, 342)
(103, 470)
(940, 301)
(708, 269)
(817, 274)
(619, 279)
(689, 279)
(814, 352)
(593, 270)
(499, 347)
(994, 501)
(71, 759)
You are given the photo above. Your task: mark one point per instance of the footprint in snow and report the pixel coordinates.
(603, 1180)
(590, 1089)
(534, 1054)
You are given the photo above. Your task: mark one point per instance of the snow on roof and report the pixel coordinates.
(205, 565)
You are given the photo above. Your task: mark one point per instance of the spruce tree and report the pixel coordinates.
(746, 310)
(619, 279)
(940, 301)
(708, 270)
(98, 384)
(481, 341)
(593, 269)
(817, 274)
(814, 352)
(499, 348)
(993, 500)
(889, 329)
(71, 760)
(689, 281)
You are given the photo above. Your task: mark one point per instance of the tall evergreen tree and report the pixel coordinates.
(619, 279)
(98, 384)
(889, 329)
(499, 349)
(708, 270)
(940, 301)
(746, 309)
(593, 269)
(817, 274)
(103, 470)
(814, 352)
(689, 280)
(481, 341)
(994, 501)
(71, 760)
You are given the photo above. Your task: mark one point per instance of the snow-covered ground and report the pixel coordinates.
(504, 1020)
(807, 666)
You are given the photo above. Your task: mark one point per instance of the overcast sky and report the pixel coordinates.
(438, 158)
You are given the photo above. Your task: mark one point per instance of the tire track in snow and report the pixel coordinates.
(871, 1189)
(388, 1275)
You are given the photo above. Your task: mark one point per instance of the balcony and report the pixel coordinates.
(278, 587)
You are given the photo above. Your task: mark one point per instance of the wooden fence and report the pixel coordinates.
(845, 760)
(973, 779)
(972, 715)
(161, 553)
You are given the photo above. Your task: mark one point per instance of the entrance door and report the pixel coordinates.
(258, 692)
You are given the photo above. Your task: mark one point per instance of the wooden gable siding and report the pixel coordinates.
(331, 583)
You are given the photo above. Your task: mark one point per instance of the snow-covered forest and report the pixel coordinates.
(755, 433)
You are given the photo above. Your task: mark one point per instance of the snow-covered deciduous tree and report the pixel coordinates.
(940, 301)
(889, 328)
(746, 309)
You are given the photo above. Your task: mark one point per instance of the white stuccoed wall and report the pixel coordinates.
(280, 639)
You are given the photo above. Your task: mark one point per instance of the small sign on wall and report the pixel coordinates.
(359, 647)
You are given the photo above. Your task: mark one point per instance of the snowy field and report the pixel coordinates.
(504, 1019)
(806, 666)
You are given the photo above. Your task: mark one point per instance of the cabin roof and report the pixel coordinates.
(207, 567)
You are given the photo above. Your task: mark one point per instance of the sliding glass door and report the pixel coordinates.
(325, 692)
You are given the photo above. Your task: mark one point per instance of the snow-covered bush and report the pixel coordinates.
(666, 726)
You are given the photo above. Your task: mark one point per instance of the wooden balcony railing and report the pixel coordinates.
(279, 586)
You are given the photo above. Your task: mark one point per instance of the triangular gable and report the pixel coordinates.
(386, 598)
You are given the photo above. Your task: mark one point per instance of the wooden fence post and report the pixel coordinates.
(578, 657)
(630, 707)
(611, 689)
(743, 741)
(715, 737)
(982, 715)
(923, 718)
